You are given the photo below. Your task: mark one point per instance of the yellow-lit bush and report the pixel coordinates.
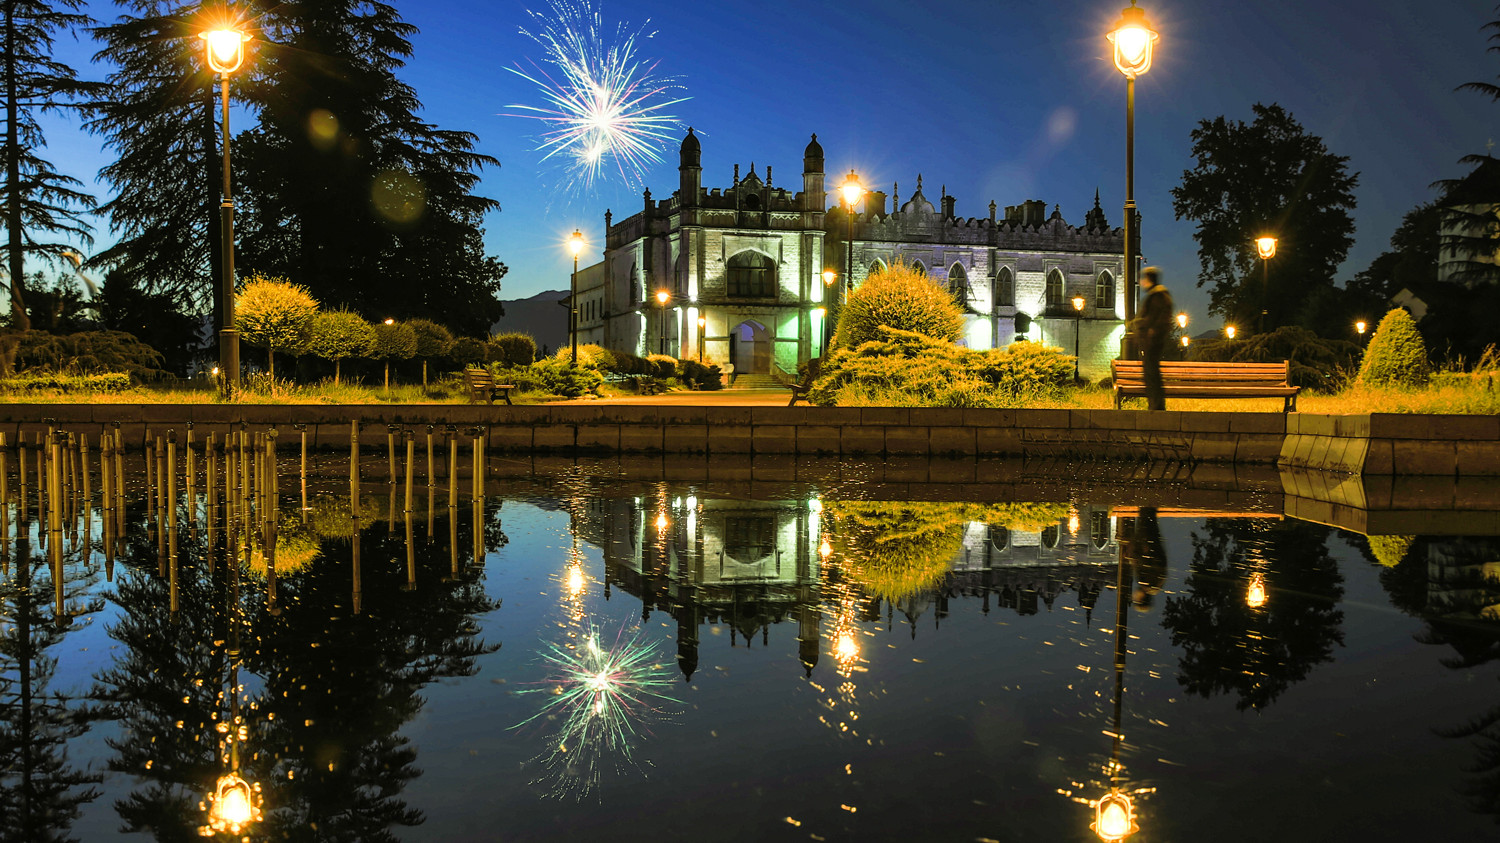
(901, 298)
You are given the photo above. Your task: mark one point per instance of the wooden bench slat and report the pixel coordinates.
(481, 383)
(1193, 379)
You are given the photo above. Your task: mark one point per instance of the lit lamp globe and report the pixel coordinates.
(575, 243)
(1229, 331)
(226, 49)
(662, 296)
(1360, 326)
(1114, 817)
(1182, 320)
(852, 190)
(1265, 247)
(1255, 595)
(1078, 303)
(661, 521)
(829, 276)
(1133, 40)
(232, 806)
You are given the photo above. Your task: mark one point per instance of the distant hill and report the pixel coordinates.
(540, 316)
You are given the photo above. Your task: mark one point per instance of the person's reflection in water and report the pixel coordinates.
(1147, 557)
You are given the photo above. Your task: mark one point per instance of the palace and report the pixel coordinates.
(734, 276)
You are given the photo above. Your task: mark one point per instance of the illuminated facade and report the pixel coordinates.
(748, 261)
(734, 569)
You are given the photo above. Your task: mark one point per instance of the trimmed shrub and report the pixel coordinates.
(86, 352)
(908, 369)
(1390, 550)
(700, 375)
(1316, 362)
(467, 350)
(512, 349)
(558, 377)
(433, 340)
(396, 341)
(661, 366)
(59, 382)
(274, 313)
(338, 334)
(591, 355)
(900, 298)
(1396, 356)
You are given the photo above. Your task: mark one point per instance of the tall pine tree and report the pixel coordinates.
(347, 190)
(160, 118)
(40, 203)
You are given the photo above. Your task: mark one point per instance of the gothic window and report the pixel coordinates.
(999, 537)
(1051, 536)
(877, 266)
(1054, 289)
(958, 284)
(751, 202)
(635, 288)
(680, 274)
(749, 539)
(752, 276)
(1104, 292)
(1005, 288)
(1099, 528)
(919, 268)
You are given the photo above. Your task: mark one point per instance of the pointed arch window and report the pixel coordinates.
(958, 284)
(1104, 291)
(1054, 289)
(752, 275)
(1005, 288)
(633, 282)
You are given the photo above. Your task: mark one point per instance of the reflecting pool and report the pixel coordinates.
(243, 643)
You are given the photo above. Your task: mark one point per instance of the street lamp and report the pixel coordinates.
(575, 245)
(1133, 40)
(1229, 331)
(1359, 328)
(702, 329)
(852, 191)
(1077, 322)
(662, 297)
(1185, 342)
(829, 276)
(225, 51)
(1265, 246)
(1182, 320)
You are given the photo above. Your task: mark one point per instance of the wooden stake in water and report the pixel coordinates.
(429, 455)
(304, 472)
(390, 441)
(119, 486)
(354, 469)
(410, 459)
(172, 503)
(411, 556)
(188, 478)
(54, 522)
(211, 510)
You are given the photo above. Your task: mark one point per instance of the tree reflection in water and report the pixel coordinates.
(328, 688)
(1255, 652)
(41, 791)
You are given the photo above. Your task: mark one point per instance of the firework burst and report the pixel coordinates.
(604, 106)
(598, 695)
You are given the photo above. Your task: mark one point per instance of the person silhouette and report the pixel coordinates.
(1152, 328)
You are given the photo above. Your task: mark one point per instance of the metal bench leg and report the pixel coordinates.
(507, 398)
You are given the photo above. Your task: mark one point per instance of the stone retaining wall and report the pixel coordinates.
(1372, 444)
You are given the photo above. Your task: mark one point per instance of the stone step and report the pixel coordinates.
(755, 382)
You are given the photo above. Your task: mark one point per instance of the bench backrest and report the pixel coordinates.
(1130, 372)
(479, 377)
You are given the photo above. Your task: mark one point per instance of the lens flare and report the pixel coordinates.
(604, 107)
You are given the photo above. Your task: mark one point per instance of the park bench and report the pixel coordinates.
(1185, 379)
(799, 389)
(482, 384)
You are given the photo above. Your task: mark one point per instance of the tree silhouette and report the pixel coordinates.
(1255, 653)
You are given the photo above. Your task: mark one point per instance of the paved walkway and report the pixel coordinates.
(710, 398)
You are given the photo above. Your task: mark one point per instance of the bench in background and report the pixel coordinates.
(1183, 379)
(482, 384)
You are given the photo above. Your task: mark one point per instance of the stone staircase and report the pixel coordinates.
(755, 382)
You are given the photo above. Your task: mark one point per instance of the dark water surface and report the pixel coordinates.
(724, 661)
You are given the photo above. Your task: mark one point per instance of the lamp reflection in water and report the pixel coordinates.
(234, 803)
(1255, 595)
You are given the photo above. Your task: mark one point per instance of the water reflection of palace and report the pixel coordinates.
(749, 565)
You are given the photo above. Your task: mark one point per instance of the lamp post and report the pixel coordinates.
(829, 276)
(1133, 40)
(702, 330)
(575, 245)
(1077, 324)
(662, 297)
(852, 191)
(225, 50)
(1265, 246)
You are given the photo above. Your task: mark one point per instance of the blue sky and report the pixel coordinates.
(1001, 99)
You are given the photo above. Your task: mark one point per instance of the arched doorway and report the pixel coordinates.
(750, 348)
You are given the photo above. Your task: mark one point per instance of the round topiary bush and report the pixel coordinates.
(900, 298)
(1396, 356)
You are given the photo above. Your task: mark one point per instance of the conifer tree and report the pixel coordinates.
(347, 189)
(40, 202)
(159, 118)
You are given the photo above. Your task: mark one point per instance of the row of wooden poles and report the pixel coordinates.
(240, 477)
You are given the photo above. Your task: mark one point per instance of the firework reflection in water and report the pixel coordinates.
(600, 695)
(604, 107)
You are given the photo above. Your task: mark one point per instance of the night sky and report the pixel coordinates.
(1001, 99)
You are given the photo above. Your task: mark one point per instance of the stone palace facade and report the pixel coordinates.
(741, 269)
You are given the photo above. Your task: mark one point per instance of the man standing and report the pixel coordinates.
(1152, 328)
